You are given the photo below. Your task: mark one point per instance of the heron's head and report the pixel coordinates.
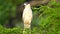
(26, 4)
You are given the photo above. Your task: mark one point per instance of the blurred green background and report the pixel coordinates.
(46, 18)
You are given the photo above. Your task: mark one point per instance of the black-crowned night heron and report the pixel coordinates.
(27, 15)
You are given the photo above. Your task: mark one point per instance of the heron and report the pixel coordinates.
(27, 15)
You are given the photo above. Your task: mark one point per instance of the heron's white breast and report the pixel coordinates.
(27, 14)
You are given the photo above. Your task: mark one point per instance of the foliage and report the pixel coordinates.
(46, 19)
(5, 9)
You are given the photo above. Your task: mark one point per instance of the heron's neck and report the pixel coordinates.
(27, 7)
